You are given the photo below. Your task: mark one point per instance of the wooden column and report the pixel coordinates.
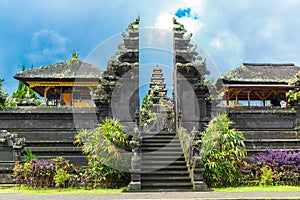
(45, 94)
(248, 95)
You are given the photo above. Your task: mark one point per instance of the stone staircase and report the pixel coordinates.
(51, 143)
(163, 164)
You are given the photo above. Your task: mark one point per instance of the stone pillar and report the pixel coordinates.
(120, 80)
(189, 91)
(190, 95)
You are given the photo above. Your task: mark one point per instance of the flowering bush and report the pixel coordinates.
(285, 167)
(40, 173)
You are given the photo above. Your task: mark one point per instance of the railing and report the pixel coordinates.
(190, 144)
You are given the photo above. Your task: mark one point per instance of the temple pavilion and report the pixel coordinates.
(262, 82)
(68, 83)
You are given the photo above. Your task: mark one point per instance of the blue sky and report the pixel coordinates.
(228, 32)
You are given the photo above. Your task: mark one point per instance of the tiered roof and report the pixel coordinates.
(261, 73)
(157, 85)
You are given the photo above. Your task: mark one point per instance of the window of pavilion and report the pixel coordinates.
(257, 82)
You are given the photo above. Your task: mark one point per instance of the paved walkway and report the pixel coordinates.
(154, 196)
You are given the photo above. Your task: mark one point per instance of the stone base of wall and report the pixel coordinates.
(267, 128)
(50, 131)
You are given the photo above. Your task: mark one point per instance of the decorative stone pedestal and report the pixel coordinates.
(135, 184)
(10, 148)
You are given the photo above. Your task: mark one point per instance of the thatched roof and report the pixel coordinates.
(261, 73)
(72, 69)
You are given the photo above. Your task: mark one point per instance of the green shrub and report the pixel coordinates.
(266, 176)
(222, 151)
(60, 177)
(103, 145)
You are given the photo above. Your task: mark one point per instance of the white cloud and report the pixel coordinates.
(47, 45)
(271, 30)
(228, 47)
(226, 40)
(164, 21)
(192, 23)
(217, 43)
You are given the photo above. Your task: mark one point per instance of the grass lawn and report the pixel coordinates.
(25, 190)
(259, 189)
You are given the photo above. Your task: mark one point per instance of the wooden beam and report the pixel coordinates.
(56, 83)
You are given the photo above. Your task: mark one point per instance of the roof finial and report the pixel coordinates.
(74, 55)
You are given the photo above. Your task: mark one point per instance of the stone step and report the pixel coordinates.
(278, 144)
(169, 172)
(77, 160)
(158, 147)
(156, 155)
(271, 134)
(147, 157)
(165, 178)
(155, 140)
(274, 140)
(163, 162)
(158, 133)
(54, 149)
(49, 143)
(48, 135)
(161, 149)
(167, 167)
(159, 144)
(170, 189)
(163, 165)
(251, 151)
(166, 184)
(160, 136)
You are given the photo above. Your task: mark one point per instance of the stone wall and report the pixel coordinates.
(267, 128)
(50, 131)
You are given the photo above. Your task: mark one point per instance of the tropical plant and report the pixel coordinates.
(102, 145)
(29, 156)
(222, 151)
